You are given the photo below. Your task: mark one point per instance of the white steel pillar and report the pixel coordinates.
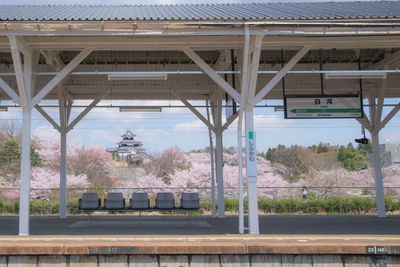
(251, 169)
(24, 194)
(212, 151)
(63, 174)
(379, 191)
(219, 166)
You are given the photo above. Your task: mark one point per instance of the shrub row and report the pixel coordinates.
(331, 205)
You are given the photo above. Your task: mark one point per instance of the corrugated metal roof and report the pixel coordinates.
(251, 11)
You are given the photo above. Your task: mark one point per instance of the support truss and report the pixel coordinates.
(212, 74)
(278, 77)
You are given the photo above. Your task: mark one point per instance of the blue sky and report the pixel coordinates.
(179, 127)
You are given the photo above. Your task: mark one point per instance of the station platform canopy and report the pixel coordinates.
(245, 52)
(150, 38)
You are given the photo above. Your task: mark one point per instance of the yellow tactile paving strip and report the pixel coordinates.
(217, 244)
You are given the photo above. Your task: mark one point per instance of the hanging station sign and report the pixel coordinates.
(323, 107)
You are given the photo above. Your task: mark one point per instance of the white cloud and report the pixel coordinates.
(270, 121)
(195, 125)
(104, 137)
(45, 133)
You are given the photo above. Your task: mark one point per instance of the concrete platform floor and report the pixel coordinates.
(203, 225)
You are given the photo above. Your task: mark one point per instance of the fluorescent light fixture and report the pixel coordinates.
(136, 76)
(140, 109)
(355, 75)
(3, 109)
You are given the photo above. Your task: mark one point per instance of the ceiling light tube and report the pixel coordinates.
(355, 75)
(140, 109)
(136, 76)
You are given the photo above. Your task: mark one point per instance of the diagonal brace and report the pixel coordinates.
(255, 62)
(194, 110)
(60, 76)
(229, 121)
(365, 123)
(48, 118)
(278, 77)
(9, 91)
(390, 116)
(19, 72)
(212, 74)
(87, 109)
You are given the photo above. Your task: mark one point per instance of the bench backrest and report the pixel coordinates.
(165, 200)
(114, 201)
(190, 201)
(139, 201)
(89, 201)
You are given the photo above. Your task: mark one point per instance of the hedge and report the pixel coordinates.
(330, 205)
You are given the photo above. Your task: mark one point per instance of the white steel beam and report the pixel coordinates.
(63, 173)
(24, 194)
(255, 62)
(251, 171)
(63, 149)
(69, 106)
(24, 79)
(19, 71)
(212, 74)
(64, 112)
(379, 190)
(373, 110)
(381, 99)
(23, 47)
(124, 43)
(87, 109)
(249, 88)
(278, 77)
(245, 60)
(219, 150)
(212, 161)
(9, 91)
(28, 77)
(25, 83)
(194, 110)
(60, 76)
(219, 166)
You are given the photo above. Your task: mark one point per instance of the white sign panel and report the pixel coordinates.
(323, 107)
(251, 157)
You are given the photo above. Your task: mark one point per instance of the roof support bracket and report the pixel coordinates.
(87, 109)
(278, 77)
(211, 73)
(60, 76)
(194, 110)
(48, 118)
(9, 91)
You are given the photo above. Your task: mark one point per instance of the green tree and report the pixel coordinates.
(35, 158)
(10, 152)
(10, 157)
(353, 159)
